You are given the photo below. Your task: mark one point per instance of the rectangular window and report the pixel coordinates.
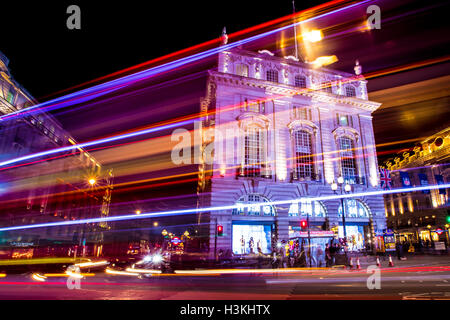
(251, 105)
(326, 86)
(304, 166)
(253, 153)
(10, 97)
(348, 161)
(300, 81)
(344, 119)
(272, 75)
(302, 113)
(242, 70)
(350, 91)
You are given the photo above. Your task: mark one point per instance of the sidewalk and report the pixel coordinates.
(411, 260)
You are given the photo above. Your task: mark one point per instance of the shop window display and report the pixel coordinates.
(307, 207)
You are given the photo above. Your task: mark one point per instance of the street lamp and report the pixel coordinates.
(92, 181)
(347, 188)
(138, 211)
(313, 35)
(164, 232)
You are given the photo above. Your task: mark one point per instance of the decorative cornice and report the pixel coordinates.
(284, 89)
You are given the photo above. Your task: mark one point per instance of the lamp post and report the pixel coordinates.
(347, 188)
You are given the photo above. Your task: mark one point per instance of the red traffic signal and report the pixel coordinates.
(220, 230)
(303, 224)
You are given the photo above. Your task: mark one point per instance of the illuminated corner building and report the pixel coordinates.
(285, 131)
(421, 214)
(73, 186)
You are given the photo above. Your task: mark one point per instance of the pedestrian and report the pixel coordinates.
(283, 254)
(260, 258)
(274, 260)
(333, 251)
(319, 255)
(327, 256)
(399, 248)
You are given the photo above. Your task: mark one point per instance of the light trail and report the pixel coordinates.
(118, 83)
(114, 138)
(219, 208)
(95, 142)
(191, 118)
(213, 42)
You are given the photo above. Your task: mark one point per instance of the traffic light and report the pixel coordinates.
(448, 219)
(303, 224)
(220, 230)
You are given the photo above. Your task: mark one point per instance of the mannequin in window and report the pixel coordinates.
(251, 243)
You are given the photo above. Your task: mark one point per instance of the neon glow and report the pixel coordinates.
(230, 207)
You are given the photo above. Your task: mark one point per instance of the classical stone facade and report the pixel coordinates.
(282, 130)
(50, 189)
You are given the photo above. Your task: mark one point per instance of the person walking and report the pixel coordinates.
(319, 256)
(283, 254)
(260, 258)
(327, 255)
(274, 260)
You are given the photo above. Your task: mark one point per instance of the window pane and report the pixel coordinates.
(300, 81)
(304, 166)
(350, 91)
(348, 163)
(272, 75)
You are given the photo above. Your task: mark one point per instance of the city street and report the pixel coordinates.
(409, 280)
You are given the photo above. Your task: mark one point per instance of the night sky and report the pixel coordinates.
(46, 57)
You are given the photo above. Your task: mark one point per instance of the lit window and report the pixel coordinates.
(348, 161)
(254, 106)
(253, 204)
(354, 209)
(344, 119)
(304, 166)
(254, 151)
(307, 207)
(10, 97)
(302, 113)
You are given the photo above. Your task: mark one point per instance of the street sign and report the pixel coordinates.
(176, 241)
(439, 245)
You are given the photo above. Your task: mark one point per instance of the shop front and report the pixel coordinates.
(248, 236)
(319, 239)
(358, 235)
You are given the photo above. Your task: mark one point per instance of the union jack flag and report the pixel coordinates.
(385, 179)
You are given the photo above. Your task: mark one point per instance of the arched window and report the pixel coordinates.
(350, 91)
(304, 163)
(254, 150)
(253, 205)
(354, 209)
(300, 81)
(272, 75)
(307, 207)
(348, 159)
